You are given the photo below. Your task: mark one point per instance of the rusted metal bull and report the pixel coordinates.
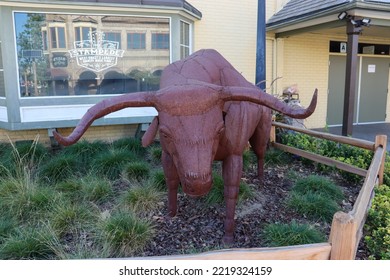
(206, 111)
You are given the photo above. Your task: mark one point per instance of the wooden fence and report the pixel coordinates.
(347, 228)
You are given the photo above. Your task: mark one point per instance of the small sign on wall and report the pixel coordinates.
(343, 47)
(371, 68)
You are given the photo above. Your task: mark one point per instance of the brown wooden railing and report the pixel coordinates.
(347, 228)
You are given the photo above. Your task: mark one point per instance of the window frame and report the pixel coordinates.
(57, 39)
(142, 40)
(169, 33)
(155, 42)
(188, 46)
(2, 81)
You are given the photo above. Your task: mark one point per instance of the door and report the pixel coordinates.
(337, 67)
(373, 89)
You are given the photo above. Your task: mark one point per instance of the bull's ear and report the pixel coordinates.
(150, 133)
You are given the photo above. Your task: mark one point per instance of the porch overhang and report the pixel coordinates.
(326, 20)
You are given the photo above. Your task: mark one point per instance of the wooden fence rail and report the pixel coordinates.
(346, 230)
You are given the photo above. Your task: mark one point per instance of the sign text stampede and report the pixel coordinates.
(96, 54)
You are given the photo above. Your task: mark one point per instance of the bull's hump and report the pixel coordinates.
(188, 100)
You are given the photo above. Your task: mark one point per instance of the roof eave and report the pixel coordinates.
(290, 24)
(186, 8)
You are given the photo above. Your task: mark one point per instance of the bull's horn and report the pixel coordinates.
(105, 107)
(258, 96)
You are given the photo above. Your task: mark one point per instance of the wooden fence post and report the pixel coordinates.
(343, 237)
(381, 140)
(272, 137)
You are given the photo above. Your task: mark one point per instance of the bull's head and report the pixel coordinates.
(190, 123)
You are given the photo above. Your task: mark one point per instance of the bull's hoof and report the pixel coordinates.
(228, 239)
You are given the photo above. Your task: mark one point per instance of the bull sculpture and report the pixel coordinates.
(206, 111)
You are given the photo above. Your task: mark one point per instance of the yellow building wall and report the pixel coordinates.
(305, 64)
(104, 133)
(230, 28)
(303, 60)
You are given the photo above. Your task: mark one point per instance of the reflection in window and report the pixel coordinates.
(45, 41)
(82, 32)
(113, 36)
(184, 39)
(57, 37)
(88, 57)
(160, 41)
(2, 87)
(135, 41)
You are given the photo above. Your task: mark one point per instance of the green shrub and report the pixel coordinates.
(30, 204)
(29, 243)
(110, 164)
(85, 152)
(96, 189)
(216, 194)
(275, 156)
(69, 218)
(249, 159)
(142, 199)
(60, 168)
(313, 205)
(71, 187)
(158, 180)
(129, 144)
(378, 225)
(21, 158)
(319, 185)
(155, 153)
(127, 234)
(275, 235)
(8, 225)
(137, 170)
(386, 175)
(31, 151)
(342, 152)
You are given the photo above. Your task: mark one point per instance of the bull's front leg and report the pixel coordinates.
(172, 181)
(231, 172)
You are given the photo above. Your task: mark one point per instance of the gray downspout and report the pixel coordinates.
(260, 49)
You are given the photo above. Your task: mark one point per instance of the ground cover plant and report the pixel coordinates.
(105, 200)
(378, 225)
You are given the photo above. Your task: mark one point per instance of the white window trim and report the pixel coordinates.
(190, 36)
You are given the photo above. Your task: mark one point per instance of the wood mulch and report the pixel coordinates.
(198, 227)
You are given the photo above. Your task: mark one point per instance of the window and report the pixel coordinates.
(45, 40)
(135, 41)
(2, 87)
(92, 58)
(160, 41)
(184, 39)
(363, 48)
(57, 37)
(82, 32)
(113, 36)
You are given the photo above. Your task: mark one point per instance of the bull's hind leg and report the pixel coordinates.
(172, 180)
(231, 172)
(259, 142)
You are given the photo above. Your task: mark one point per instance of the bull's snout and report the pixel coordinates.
(196, 185)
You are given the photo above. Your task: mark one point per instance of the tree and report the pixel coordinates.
(32, 63)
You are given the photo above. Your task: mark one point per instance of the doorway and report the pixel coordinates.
(372, 89)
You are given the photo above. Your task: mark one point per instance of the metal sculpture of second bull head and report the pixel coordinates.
(206, 111)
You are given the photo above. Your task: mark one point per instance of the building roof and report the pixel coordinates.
(178, 4)
(308, 9)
